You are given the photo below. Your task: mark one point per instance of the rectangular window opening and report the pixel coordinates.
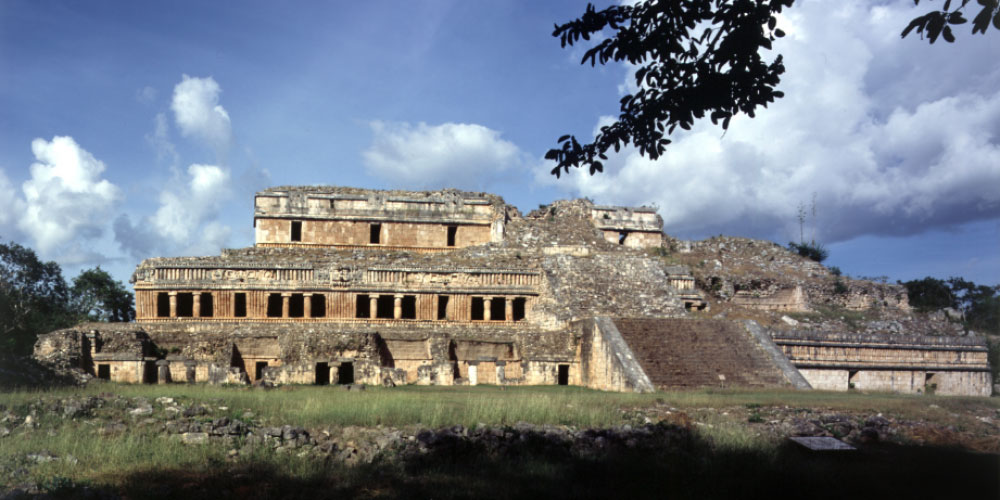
(498, 309)
(517, 311)
(409, 306)
(296, 306)
(477, 309)
(162, 305)
(345, 373)
(621, 237)
(185, 305)
(375, 234)
(296, 230)
(259, 369)
(274, 305)
(207, 305)
(318, 306)
(384, 307)
(322, 373)
(104, 372)
(362, 308)
(442, 307)
(452, 231)
(240, 305)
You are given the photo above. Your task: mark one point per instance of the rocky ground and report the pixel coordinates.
(650, 429)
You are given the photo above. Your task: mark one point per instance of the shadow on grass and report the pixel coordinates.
(688, 468)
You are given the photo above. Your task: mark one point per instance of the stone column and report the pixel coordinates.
(162, 371)
(509, 309)
(284, 304)
(196, 299)
(372, 306)
(173, 304)
(487, 305)
(307, 304)
(397, 306)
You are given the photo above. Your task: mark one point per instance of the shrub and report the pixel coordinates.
(834, 270)
(811, 250)
(839, 287)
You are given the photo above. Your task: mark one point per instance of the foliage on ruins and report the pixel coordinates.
(35, 298)
(699, 58)
(812, 250)
(938, 23)
(978, 304)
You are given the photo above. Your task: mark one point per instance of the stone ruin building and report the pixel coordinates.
(348, 285)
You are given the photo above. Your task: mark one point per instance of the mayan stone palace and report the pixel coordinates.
(357, 286)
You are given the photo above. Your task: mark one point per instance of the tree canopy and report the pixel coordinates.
(699, 58)
(979, 304)
(34, 298)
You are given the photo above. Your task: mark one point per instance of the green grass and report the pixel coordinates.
(726, 425)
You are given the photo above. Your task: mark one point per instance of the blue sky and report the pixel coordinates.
(131, 129)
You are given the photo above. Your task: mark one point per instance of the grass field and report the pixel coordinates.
(730, 448)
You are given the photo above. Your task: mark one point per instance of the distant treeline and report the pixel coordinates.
(979, 304)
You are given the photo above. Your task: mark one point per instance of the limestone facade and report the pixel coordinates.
(347, 285)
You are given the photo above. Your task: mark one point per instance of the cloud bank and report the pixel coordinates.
(894, 137)
(460, 155)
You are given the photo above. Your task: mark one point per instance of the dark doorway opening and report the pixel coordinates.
(296, 306)
(409, 306)
(274, 305)
(442, 307)
(149, 373)
(207, 305)
(185, 305)
(362, 307)
(318, 306)
(375, 234)
(296, 230)
(852, 379)
(259, 369)
(622, 235)
(563, 375)
(104, 372)
(498, 309)
(322, 373)
(162, 305)
(345, 373)
(240, 305)
(517, 309)
(452, 231)
(384, 306)
(477, 309)
(930, 383)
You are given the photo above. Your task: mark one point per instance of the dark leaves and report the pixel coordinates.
(938, 23)
(682, 75)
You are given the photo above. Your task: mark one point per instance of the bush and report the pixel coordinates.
(834, 270)
(811, 250)
(839, 287)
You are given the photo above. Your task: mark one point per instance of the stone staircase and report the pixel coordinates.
(689, 353)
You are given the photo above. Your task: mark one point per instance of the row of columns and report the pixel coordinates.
(195, 304)
(306, 304)
(397, 306)
(488, 308)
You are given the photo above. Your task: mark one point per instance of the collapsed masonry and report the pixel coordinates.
(349, 285)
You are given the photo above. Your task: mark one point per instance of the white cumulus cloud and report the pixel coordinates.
(198, 113)
(461, 155)
(65, 198)
(183, 211)
(893, 136)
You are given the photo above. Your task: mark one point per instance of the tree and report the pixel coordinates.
(939, 22)
(979, 304)
(698, 58)
(98, 297)
(34, 298)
